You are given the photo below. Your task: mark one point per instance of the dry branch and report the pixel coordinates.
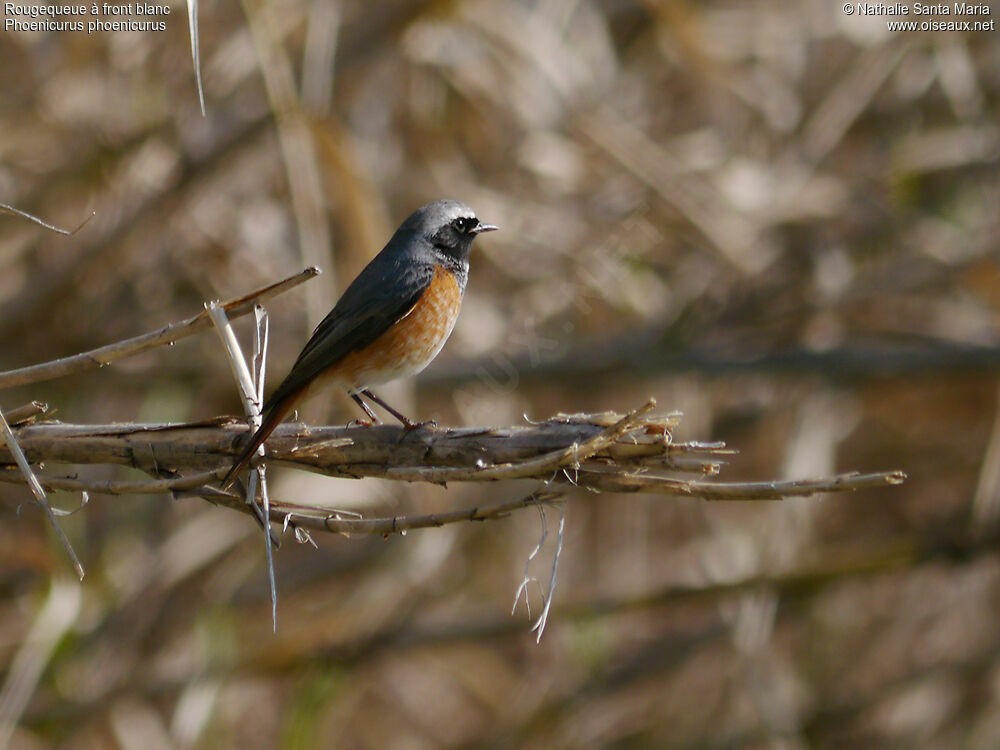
(25, 413)
(604, 452)
(167, 335)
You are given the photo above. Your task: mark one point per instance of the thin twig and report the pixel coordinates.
(777, 490)
(399, 524)
(117, 486)
(8, 209)
(167, 335)
(341, 522)
(38, 492)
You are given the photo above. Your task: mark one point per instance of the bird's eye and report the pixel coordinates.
(465, 224)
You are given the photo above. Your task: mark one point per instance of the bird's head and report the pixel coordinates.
(448, 226)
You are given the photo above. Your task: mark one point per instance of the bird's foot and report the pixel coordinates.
(360, 423)
(408, 425)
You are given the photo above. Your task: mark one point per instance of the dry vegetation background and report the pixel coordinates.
(781, 221)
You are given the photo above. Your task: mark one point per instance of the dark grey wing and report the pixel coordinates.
(380, 296)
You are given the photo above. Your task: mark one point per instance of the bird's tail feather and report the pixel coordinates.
(274, 413)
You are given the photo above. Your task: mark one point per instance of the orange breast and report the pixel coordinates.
(410, 345)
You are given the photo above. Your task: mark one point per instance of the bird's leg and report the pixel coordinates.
(371, 415)
(407, 422)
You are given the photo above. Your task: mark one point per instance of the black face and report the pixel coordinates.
(455, 237)
(465, 224)
(448, 226)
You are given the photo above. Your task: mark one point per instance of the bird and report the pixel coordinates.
(389, 323)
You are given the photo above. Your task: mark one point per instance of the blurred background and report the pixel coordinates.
(778, 219)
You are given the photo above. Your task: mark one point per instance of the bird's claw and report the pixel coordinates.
(417, 425)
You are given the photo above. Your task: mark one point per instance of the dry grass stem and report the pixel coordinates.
(36, 489)
(251, 387)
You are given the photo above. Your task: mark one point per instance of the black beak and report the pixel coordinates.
(480, 228)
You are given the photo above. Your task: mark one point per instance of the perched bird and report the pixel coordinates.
(390, 323)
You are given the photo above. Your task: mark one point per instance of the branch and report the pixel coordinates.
(590, 444)
(167, 335)
(286, 512)
(774, 490)
(604, 452)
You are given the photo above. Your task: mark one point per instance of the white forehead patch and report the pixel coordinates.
(454, 210)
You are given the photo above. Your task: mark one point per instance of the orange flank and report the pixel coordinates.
(408, 346)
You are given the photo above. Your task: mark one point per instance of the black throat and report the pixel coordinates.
(457, 265)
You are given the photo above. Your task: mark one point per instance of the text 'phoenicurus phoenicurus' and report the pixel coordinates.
(391, 322)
